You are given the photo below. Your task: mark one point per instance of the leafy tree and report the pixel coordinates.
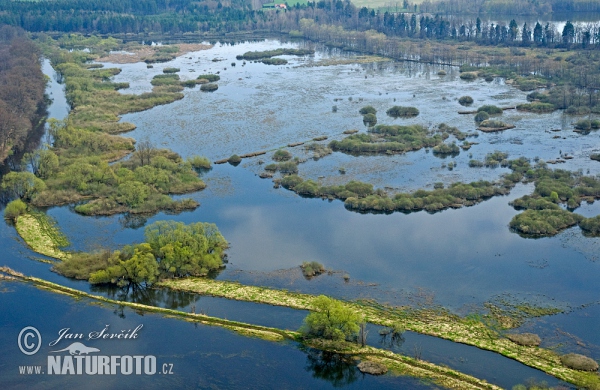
(331, 320)
(126, 269)
(184, 250)
(538, 34)
(513, 30)
(23, 185)
(568, 33)
(14, 209)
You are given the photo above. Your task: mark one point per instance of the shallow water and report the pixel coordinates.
(456, 258)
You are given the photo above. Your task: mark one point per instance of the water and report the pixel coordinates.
(456, 258)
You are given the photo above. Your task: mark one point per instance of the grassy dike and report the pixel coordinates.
(42, 236)
(437, 323)
(399, 365)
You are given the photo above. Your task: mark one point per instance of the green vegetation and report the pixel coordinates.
(536, 107)
(402, 112)
(446, 149)
(481, 116)
(198, 162)
(273, 61)
(587, 124)
(330, 320)
(282, 155)
(367, 110)
(210, 77)
(287, 167)
(465, 100)
(370, 119)
(468, 76)
(311, 269)
(544, 222)
(318, 150)
(494, 125)
(40, 232)
(172, 249)
(579, 362)
(14, 209)
(171, 70)
(396, 139)
(526, 339)
(588, 225)
(490, 109)
(445, 129)
(595, 156)
(209, 87)
(259, 55)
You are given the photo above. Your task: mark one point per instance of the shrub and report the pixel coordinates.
(536, 107)
(370, 119)
(490, 109)
(544, 222)
(14, 209)
(198, 162)
(579, 362)
(210, 77)
(171, 70)
(311, 269)
(526, 339)
(404, 112)
(282, 155)
(273, 61)
(444, 149)
(368, 110)
(441, 73)
(209, 87)
(481, 116)
(465, 100)
(234, 159)
(468, 75)
(590, 225)
(493, 124)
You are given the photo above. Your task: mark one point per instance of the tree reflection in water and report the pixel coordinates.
(339, 370)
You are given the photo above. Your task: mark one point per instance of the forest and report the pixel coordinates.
(22, 85)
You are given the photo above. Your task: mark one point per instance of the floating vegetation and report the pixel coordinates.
(544, 222)
(402, 112)
(282, 155)
(287, 167)
(273, 61)
(587, 124)
(165, 79)
(446, 150)
(318, 150)
(171, 70)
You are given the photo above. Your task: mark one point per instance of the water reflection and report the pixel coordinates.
(339, 370)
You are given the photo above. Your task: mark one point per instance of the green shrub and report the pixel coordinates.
(370, 119)
(465, 100)
(536, 107)
(490, 109)
(171, 70)
(468, 75)
(402, 112)
(312, 269)
(234, 159)
(368, 110)
(198, 162)
(579, 362)
(330, 320)
(543, 222)
(209, 87)
(526, 339)
(273, 61)
(282, 155)
(590, 225)
(493, 124)
(481, 116)
(210, 77)
(14, 209)
(445, 149)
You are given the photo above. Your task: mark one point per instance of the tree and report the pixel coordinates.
(129, 270)
(23, 185)
(43, 162)
(14, 209)
(526, 35)
(538, 34)
(568, 33)
(513, 30)
(331, 320)
(184, 250)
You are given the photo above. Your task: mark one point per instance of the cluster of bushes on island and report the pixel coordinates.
(310, 269)
(402, 112)
(446, 149)
(388, 139)
(259, 55)
(465, 100)
(170, 250)
(587, 124)
(537, 107)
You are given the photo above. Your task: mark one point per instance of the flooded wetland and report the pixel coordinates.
(463, 258)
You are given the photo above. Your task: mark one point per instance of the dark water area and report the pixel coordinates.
(201, 356)
(456, 258)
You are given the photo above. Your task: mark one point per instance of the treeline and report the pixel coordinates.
(22, 86)
(508, 7)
